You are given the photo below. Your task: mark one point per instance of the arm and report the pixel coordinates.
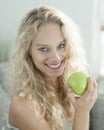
(81, 121)
(23, 116)
(83, 105)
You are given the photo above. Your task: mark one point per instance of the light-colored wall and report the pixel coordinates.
(12, 11)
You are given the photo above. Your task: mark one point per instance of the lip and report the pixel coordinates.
(54, 66)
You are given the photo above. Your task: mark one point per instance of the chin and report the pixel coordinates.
(55, 75)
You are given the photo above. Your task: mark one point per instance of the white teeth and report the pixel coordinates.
(54, 66)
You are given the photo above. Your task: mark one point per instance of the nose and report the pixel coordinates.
(55, 56)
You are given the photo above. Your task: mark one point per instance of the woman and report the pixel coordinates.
(47, 51)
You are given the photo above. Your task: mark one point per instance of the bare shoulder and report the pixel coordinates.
(20, 109)
(23, 116)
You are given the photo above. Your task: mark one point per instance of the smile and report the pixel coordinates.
(54, 66)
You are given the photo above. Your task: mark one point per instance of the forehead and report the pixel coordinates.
(49, 33)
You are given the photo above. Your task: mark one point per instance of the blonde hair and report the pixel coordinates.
(27, 78)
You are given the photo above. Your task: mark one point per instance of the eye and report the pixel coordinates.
(43, 49)
(62, 45)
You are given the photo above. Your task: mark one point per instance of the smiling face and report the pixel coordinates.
(48, 50)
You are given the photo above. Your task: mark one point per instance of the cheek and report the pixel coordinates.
(64, 53)
(37, 58)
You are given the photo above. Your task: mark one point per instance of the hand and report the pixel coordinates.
(85, 102)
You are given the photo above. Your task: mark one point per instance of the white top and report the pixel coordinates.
(9, 126)
(13, 128)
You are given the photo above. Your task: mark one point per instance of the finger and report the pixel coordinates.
(95, 90)
(95, 83)
(89, 84)
(89, 88)
(91, 91)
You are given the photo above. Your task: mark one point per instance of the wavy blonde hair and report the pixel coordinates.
(26, 77)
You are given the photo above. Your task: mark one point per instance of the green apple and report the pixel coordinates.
(78, 82)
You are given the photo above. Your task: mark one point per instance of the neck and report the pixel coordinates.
(54, 82)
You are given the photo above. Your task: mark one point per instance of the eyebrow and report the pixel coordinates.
(47, 45)
(40, 44)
